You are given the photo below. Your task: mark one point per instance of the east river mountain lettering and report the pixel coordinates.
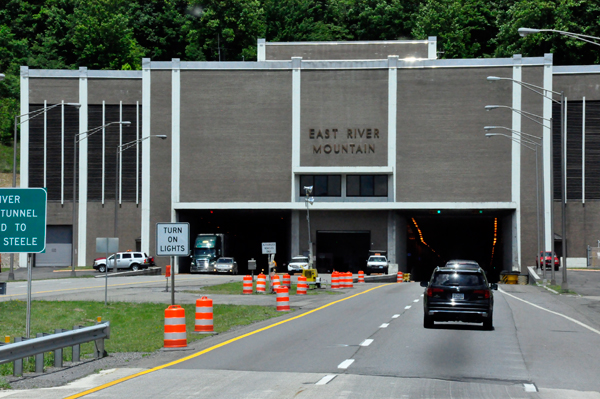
(346, 147)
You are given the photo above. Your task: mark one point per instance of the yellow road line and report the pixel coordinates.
(109, 384)
(99, 286)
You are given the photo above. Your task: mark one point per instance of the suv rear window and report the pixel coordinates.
(458, 279)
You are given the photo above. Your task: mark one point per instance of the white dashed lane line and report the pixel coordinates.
(366, 342)
(345, 364)
(407, 307)
(326, 379)
(395, 316)
(384, 325)
(416, 300)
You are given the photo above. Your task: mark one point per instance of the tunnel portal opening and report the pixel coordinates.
(435, 237)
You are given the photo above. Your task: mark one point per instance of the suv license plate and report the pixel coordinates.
(458, 296)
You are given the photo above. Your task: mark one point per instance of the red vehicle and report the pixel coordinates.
(546, 259)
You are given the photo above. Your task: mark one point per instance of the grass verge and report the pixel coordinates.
(236, 288)
(134, 327)
(558, 289)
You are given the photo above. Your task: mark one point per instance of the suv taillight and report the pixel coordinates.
(485, 293)
(431, 291)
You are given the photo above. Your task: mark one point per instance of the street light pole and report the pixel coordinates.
(549, 95)
(309, 200)
(120, 149)
(529, 31)
(31, 115)
(524, 142)
(76, 140)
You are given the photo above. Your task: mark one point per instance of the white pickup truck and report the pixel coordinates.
(377, 264)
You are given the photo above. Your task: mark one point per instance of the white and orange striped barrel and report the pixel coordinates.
(247, 285)
(287, 281)
(175, 333)
(302, 286)
(361, 276)
(283, 299)
(275, 283)
(399, 277)
(349, 280)
(261, 283)
(204, 316)
(343, 283)
(335, 280)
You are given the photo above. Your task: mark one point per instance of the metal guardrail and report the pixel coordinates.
(26, 347)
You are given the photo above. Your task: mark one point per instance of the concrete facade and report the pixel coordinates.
(242, 135)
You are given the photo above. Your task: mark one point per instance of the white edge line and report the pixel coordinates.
(366, 342)
(326, 379)
(551, 311)
(345, 364)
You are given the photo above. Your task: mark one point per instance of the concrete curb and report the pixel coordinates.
(151, 271)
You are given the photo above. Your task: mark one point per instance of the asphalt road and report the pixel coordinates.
(370, 343)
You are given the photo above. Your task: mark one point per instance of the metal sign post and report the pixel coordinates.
(106, 245)
(172, 239)
(269, 248)
(23, 228)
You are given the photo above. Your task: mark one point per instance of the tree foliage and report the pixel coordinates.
(116, 34)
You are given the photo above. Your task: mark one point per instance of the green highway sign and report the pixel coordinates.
(22, 220)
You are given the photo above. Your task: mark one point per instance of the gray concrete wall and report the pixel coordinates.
(576, 86)
(160, 159)
(442, 153)
(236, 136)
(375, 221)
(114, 90)
(345, 51)
(355, 104)
(53, 90)
(101, 218)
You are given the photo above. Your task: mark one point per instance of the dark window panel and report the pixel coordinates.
(366, 186)
(320, 187)
(335, 186)
(353, 186)
(381, 186)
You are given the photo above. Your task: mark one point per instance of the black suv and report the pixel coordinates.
(458, 295)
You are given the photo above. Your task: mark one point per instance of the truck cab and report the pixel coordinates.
(207, 249)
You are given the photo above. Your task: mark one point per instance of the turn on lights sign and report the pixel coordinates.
(22, 220)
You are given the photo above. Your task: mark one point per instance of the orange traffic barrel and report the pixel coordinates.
(286, 281)
(204, 316)
(247, 285)
(261, 283)
(302, 286)
(349, 280)
(283, 299)
(275, 283)
(335, 280)
(361, 276)
(343, 280)
(175, 333)
(399, 277)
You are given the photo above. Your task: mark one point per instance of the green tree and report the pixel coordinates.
(464, 28)
(576, 16)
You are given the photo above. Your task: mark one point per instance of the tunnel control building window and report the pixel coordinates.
(367, 186)
(323, 185)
